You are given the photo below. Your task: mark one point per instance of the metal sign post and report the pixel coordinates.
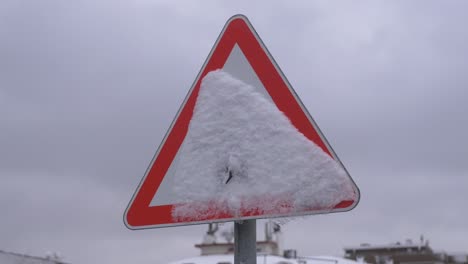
(245, 242)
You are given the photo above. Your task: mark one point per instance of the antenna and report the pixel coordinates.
(212, 228)
(210, 237)
(269, 230)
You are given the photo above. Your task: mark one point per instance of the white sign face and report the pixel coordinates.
(242, 146)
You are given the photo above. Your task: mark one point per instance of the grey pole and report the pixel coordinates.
(245, 242)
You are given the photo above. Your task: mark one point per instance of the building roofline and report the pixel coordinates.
(32, 257)
(229, 244)
(389, 246)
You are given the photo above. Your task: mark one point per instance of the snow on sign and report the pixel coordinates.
(242, 146)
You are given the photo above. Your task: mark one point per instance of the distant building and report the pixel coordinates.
(402, 253)
(15, 258)
(270, 246)
(269, 250)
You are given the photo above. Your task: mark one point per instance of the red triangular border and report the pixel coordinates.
(237, 30)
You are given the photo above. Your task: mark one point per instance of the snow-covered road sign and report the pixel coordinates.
(242, 146)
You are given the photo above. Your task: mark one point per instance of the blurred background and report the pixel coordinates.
(89, 88)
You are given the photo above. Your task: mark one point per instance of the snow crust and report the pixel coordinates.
(266, 259)
(241, 154)
(216, 259)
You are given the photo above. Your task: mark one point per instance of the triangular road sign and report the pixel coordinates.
(240, 54)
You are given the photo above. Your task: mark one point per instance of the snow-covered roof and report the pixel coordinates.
(229, 259)
(15, 258)
(266, 259)
(326, 260)
(385, 246)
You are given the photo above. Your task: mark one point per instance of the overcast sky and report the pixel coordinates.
(89, 88)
